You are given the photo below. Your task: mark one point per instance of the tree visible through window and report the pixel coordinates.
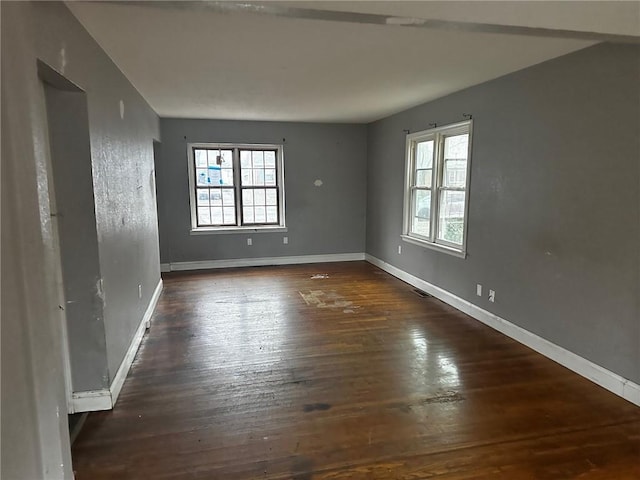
(236, 186)
(436, 187)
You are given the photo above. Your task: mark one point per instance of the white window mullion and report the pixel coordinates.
(437, 180)
(238, 186)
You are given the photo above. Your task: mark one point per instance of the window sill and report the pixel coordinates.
(237, 230)
(435, 246)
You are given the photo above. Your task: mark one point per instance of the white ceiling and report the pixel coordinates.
(195, 62)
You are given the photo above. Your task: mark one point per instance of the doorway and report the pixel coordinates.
(72, 206)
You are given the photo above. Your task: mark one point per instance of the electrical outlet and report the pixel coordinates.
(139, 291)
(479, 290)
(399, 249)
(285, 240)
(492, 296)
(249, 241)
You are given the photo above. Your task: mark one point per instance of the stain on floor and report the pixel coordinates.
(330, 299)
(311, 407)
(439, 398)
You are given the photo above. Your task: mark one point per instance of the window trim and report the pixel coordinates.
(437, 135)
(226, 229)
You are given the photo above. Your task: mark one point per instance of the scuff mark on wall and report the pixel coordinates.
(100, 292)
(63, 58)
(318, 183)
(152, 181)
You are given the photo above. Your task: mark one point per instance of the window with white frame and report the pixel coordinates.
(236, 187)
(436, 187)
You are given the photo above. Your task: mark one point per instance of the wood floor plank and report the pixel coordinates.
(340, 371)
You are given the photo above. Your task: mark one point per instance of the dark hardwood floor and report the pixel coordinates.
(340, 371)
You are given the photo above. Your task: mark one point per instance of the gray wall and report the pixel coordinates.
(75, 215)
(34, 425)
(321, 220)
(554, 201)
(123, 174)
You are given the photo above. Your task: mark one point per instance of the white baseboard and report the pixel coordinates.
(599, 375)
(260, 262)
(105, 399)
(90, 401)
(123, 370)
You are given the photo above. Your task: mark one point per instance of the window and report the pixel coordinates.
(236, 187)
(437, 180)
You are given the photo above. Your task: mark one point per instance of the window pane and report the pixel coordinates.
(258, 196)
(258, 159)
(270, 159)
(202, 195)
(423, 178)
(247, 197)
(421, 220)
(213, 155)
(424, 154)
(245, 158)
(260, 214)
(228, 197)
(451, 216)
(422, 204)
(215, 176)
(247, 214)
(272, 214)
(454, 172)
(204, 216)
(247, 176)
(272, 196)
(201, 158)
(227, 159)
(456, 146)
(258, 177)
(216, 215)
(215, 196)
(227, 176)
(270, 176)
(202, 177)
(229, 215)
